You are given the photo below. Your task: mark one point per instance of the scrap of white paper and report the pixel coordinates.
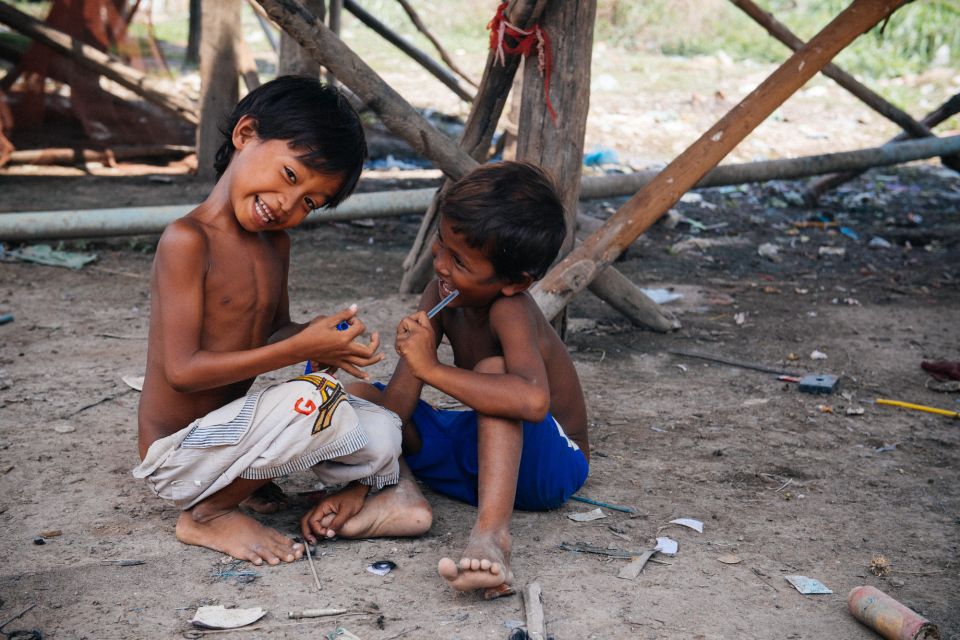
(807, 586)
(667, 546)
(134, 382)
(587, 516)
(696, 525)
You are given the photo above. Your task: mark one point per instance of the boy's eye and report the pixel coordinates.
(291, 176)
(311, 204)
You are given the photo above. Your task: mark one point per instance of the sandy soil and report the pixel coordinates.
(788, 482)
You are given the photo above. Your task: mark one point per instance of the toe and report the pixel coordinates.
(485, 565)
(447, 568)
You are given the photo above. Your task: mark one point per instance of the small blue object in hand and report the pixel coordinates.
(343, 326)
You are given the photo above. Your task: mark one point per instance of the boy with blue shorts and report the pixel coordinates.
(523, 443)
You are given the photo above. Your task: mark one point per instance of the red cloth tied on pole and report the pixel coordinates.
(527, 41)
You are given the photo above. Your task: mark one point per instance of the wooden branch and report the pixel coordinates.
(246, 64)
(832, 71)
(818, 187)
(395, 112)
(619, 292)
(600, 249)
(422, 28)
(419, 56)
(477, 133)
(100, 62)
(533, 610)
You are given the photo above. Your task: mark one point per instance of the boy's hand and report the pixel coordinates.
(325, 519)
(328, 347)
(417, 343)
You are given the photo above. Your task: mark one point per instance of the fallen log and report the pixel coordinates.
(102, 63)
(601, 248)
(419, 56)
(68, 156)
(818, 187)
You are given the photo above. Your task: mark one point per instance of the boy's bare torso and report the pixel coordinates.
(472, 339)
(239, 285)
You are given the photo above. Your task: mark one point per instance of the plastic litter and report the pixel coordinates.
(219, 617)
(807, 586)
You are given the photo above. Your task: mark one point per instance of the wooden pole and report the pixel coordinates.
(556, 145)
(334, 19)
(832, 71)
(818, 187)
(395, 112)
(422, 28)
(102, 63)
(219, 84)
(419, 56)
(601, 248)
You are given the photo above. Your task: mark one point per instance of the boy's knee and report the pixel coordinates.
(364, 390)
(383, 434)
(494, 364)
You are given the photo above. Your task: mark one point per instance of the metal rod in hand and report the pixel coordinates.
(440, 305)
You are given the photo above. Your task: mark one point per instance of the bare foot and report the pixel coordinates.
(267, 499)
(238, 535)
(484, 565)
(400, 510)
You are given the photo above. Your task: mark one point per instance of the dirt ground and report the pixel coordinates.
(788, 482)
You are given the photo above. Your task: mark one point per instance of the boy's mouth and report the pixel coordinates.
(445, 289)
(263, 211)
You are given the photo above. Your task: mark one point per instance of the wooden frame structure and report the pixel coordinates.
(557, 146)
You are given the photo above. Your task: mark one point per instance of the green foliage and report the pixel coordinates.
(916, 34)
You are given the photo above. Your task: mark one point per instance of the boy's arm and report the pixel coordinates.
(521, 393)
(179, 274)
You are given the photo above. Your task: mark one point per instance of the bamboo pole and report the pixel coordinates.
(418, 56)
(601, 248)
(102, 63)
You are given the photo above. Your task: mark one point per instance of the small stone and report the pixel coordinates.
(39, 540)
(64, 428)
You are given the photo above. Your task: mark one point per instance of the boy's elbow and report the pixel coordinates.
(538, 406)
(180, 380)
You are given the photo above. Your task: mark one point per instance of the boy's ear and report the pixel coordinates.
(513, 288)
(244, 132)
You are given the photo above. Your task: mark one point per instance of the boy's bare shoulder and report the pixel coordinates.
(516, 308)
(183, 234)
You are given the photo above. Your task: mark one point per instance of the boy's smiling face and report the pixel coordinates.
(270, 187)
(467, 269)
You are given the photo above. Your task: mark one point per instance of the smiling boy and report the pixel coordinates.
(220, 317)
(523, 443)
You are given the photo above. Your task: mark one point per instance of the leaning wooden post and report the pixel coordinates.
(219, 82)
(818, 187)
(292, 59)
(601, 248)
(478, 131)
(428, 63)
(835, 73)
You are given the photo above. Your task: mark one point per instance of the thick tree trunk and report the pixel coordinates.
(293, 59)
(219, 84)
(599, 250)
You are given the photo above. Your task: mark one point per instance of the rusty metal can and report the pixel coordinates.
(888, 617)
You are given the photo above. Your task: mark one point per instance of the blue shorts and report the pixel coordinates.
(552, 467)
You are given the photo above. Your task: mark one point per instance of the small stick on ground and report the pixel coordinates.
(533, 608)
(313, 569)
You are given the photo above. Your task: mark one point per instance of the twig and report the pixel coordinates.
(17, 616)
(756, 572)
(313, 569)
(533, 609)
(784, 485)
(603, 504)
(100, 401)
(402, 633)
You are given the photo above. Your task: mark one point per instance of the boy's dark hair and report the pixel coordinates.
(309, 115)
(513, 212)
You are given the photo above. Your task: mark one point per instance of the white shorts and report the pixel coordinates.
(305, 423)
